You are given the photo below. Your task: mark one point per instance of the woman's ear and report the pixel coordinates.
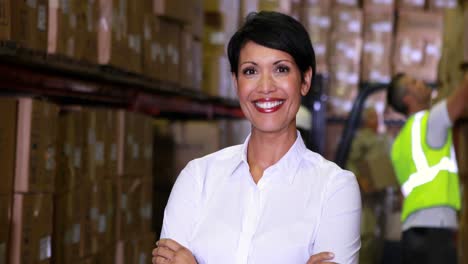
(306, 83)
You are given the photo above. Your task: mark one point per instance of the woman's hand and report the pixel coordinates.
(321, 258)
(168, 251)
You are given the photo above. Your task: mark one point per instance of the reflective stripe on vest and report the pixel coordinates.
(424, 173)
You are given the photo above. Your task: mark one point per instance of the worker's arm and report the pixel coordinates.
(444, 114)
(458, 100)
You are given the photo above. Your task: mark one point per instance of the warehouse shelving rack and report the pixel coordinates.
(67, 81)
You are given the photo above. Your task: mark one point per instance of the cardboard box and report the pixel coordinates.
(197, 56)
(66, 27)
(345, 3)
(135, 35)
(145, 247)
(7, 18)
(196, 25)
(128, 211)
(133, 153)
(193, 140)
(346, 50)
(25, 23)
(91, 148)
(173, 48)
(154, 48)
(67, 235)
(282, 6)
(318, 24)
(8, 115)
(341, 98)
(441, 5)
(187, 64)
(223, 17)
(93, 216)
(216, 75)
(148, 148)
(31, 236)
(36, 146)
(411, 4)
(110, 143)
(101, 215)
(347, 21)
(86, 246)
(418, 44)
(100, 157)
(90, 34)
(377, 47)
(173, 9)
(146, 207)
(5, 222)
(112, 33)
(454, 50)
(99, 149)
(381, 5)
(344, 61)
(162, 49)
(69, 149)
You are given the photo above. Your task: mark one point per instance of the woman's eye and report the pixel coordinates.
(282, 69)
(248, 71)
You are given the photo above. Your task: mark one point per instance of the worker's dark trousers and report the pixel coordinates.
(429, 245)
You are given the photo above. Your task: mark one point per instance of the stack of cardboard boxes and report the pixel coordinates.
(418, 44)
(25, 22)
(344, 57)
(221, 22)
(317, 21)
(172, 31)
(378, 38)
(157, 38)
(358, 43)
(33, 157)
(61, 185)
(455, 49)
(134, 186)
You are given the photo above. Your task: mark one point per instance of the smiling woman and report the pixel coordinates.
(269, 200)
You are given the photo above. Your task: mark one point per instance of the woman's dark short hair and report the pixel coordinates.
(276, 31)
(396, 92)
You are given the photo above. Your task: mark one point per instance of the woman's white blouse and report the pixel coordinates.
(302, 205)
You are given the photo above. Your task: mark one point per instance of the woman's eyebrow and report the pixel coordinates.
(251, 62)
(279, 61)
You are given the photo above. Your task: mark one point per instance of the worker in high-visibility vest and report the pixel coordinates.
(424, 160)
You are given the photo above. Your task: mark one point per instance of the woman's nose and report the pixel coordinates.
(267, 84)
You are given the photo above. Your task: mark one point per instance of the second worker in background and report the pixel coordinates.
(424, 160)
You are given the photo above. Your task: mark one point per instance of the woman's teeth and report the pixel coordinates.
(267, 105)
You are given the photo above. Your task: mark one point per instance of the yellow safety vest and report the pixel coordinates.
(428, 176)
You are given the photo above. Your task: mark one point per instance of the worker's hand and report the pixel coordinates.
(322, 258)
(168, 251)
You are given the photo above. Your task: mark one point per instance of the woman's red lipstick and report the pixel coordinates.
(268, 105)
